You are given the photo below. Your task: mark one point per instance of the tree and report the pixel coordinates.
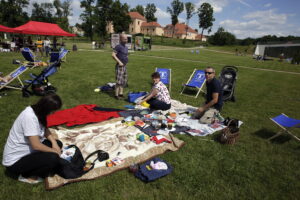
(42, 12)
(190, 11)
(150, 12)
(102, 16)
(176, 8)
(139, 9)
(222, 37)
(11, 12)
(120, 17)
(87, 17)
(57, 6)
(206, 19)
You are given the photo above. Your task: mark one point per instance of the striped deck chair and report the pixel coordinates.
(165, 76)
(286, 124)
(196, 80)
(14, 75)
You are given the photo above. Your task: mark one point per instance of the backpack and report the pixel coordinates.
(77, 166)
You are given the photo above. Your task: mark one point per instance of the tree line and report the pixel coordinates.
(12, 12)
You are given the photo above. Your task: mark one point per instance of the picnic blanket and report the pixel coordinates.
(114, 137)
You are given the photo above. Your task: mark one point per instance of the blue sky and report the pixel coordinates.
(243, 18)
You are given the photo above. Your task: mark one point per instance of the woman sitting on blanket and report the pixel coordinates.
(159, 97)
(24, 153)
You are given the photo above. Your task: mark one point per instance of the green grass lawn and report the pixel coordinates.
(203, 169)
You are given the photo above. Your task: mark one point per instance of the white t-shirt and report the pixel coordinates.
(17, 144)
(46, 43)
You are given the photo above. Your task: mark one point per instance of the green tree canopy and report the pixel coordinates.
(206, 18)
(222, 37)
(12, 13)
(139, 9)
(103, 16)
(176, 8)
(120, 17)
(190, 11)
(150, 12)
(87, 17)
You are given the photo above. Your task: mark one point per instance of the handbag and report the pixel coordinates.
(77, 166)
(231, 133)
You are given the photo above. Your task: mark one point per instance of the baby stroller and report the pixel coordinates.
(228, 79)
(40, 84)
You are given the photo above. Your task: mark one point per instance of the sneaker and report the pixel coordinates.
(30, 180)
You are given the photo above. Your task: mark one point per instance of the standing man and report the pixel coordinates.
(120, 55)
(47, 46)
(39, 46)
(214, 98)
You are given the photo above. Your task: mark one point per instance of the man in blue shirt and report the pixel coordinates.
(214, 98)
(120, 55)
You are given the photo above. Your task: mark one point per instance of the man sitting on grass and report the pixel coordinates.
(214, 101)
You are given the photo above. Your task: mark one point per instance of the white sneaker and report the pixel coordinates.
(30, 180)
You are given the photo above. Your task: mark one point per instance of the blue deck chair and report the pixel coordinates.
(165, 76)
(196, 80)
(286, 124)
(14, 75)
(28, 55)
(63, 54)
(56, 56)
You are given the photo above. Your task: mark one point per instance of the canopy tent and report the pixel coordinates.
(6, 29)
(41, 28)
(274, 50)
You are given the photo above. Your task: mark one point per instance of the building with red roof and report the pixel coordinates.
(137, 21)
(152, 28)
(181, 31)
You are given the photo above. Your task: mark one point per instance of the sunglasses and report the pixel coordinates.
(208, 72)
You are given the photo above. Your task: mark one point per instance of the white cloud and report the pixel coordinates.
(217, 5)
(160, 14)
(259, 23)
(76, 10)
(244, 3)
(267, 5)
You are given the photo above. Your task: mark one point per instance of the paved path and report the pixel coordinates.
(197, 61)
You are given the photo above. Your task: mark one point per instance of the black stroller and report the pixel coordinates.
(228, 79)
(40, 84)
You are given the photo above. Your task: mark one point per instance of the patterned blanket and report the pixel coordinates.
(118, 139)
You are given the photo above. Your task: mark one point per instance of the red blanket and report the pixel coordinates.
(81, 114)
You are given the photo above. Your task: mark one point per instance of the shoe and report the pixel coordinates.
(30, 180)
(117, 97)
(121, 96)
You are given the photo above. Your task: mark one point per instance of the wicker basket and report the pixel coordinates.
(229, 135)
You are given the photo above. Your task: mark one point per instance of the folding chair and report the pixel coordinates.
(196, 80)
(165, 76)
(286, 123)
(29, 55)
(15, 74)
(63, 54)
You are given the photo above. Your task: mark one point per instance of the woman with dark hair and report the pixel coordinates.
(30, 150)
(159, 97)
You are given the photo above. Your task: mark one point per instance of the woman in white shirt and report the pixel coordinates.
(30, 150)
(159, 97)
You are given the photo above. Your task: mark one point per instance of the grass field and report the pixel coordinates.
(203, 169)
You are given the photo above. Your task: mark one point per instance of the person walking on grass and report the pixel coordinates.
(214, 99)
(120, 55)
(31, 152)
(39, 46)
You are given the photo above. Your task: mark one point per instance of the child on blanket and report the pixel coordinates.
(159, 97)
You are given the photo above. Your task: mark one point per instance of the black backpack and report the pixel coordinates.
(76, 167)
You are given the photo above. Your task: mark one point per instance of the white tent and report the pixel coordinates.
(260, 48)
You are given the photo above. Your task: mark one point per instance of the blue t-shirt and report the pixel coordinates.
(122, 53)
(214, 86)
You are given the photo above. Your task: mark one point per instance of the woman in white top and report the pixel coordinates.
(159, 97)
(30, 150)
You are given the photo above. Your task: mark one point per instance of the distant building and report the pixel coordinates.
(152, 28)
(181, 31)
(203, 38)
(137, 21)
(76, 30)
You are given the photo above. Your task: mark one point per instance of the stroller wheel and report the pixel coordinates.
(26, 93)
(233, 99)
